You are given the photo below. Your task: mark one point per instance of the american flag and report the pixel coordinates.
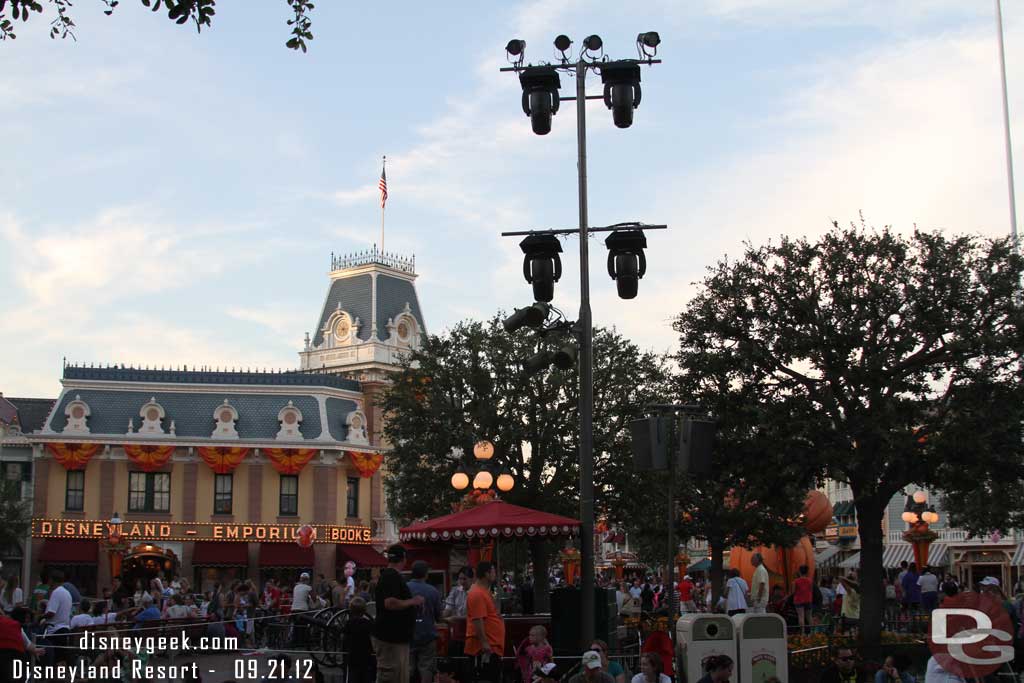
(383, 185)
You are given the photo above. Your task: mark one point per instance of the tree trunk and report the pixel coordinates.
(872, 596)
(717, 548)
(541, 587)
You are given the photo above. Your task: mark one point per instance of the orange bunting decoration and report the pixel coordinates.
(223, 459)
(73, 456)
(148, 458)
(366, 463)
(289, 460)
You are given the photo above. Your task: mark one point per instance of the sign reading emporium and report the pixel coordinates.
(194, 531)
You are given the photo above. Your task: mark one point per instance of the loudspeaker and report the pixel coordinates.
(650, 443)
(696, 440)
(566, 625)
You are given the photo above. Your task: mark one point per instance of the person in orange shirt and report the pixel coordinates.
(485, 629)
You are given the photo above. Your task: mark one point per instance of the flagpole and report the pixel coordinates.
(384, 161)
(1006, 126)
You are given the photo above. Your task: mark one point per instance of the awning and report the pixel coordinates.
(69, 551)
(852, 562)
(220, 554)
(702, 566)
(286, 555)
(362, 555)
(843, 508)
(937, 555)
(897, 553)
(1018, 557)
(491, 520)
(829, 557)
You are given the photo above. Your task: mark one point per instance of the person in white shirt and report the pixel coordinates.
(736, 591)
(934, 673)
(455, 603)
(300, 594)
(929, 584)
(58, 619)
(12, 596)
(83, 618)
(637, 589)
(760, 590)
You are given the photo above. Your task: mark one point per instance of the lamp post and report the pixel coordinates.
(115, 544)
(540, 101)
(918, 514)
(489, 474)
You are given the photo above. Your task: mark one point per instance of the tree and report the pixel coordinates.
(198, 12)
(467, 385)
(758, 483)
(15, 516)
(882, 353)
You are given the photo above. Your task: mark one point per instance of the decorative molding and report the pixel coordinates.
(152, 414)
(290, 418)
(78, 413)
(225, 415)
(355, 428)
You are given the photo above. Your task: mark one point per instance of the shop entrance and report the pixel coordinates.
(977, 572)
(146, 562)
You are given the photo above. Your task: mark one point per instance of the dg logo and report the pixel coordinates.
(971, 635)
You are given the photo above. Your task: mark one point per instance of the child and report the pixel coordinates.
(357, 645)
(534, 652)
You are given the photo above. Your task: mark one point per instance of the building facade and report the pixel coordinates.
(223, 474)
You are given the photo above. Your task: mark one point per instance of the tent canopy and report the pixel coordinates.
(495, 519)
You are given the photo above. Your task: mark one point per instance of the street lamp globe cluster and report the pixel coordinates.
(484, 479)
(917, 511)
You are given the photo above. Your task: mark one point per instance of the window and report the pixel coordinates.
(353, 497)
(74, 493)
(289, 494)
(18, 471)
(222, 488)
(149, 492)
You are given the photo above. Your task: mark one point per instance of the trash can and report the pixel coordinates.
(761, 646)
(699, 636)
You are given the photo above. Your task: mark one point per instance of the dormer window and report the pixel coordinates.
(152, 415)
(290, 417)
(404, 330)
(78, 414)
(225, 416)
(355, 422)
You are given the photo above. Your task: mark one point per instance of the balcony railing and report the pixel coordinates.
(961, 536)
(384, 530)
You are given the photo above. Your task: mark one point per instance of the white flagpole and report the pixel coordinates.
(1006, 127)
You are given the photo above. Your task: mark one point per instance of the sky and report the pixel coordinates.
(171, 198)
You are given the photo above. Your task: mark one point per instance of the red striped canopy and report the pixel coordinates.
(495, 519)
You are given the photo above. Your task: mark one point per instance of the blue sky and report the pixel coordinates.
(170, 198)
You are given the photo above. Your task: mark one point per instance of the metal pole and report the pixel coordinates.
(586, 361)
(1006, 127)
(670, 587)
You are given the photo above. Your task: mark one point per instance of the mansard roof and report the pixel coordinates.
(205, 376)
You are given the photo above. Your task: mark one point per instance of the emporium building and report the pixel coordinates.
(213, 474)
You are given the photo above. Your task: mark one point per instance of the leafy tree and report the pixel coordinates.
(883, 353)
(467, 385)
(15, 516)
(198, 12)
(757, 486)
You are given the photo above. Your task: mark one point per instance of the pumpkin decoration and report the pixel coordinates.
(817, 512)
(783, 564)
(305, 536)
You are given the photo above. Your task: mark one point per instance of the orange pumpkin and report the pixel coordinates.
(783, 564)
(817, 512)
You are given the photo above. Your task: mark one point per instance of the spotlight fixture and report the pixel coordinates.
(542, 266)
(562, 44)
(565, 357)
(533, 316)
(541, 360)
(621, 90)
(515, 51)
(626, 261)
(647, 43)
(540, 96)
(593, 43)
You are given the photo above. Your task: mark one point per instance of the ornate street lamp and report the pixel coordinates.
(918, 514)
(489, 475)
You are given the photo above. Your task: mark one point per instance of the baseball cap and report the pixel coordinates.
(990, 581)
(592, 659)
(395, 553)
(688, 578)
(303, 575)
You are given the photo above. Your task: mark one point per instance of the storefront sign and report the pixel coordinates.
(848, 531)
(194, 531)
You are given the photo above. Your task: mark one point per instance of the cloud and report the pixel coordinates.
(276, 318)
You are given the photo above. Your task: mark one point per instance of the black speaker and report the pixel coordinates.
(566, 626)
(650, 443)
(696, 440)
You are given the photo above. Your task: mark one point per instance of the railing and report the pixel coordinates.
(371, 256)
(960, 536)
(385, 529)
